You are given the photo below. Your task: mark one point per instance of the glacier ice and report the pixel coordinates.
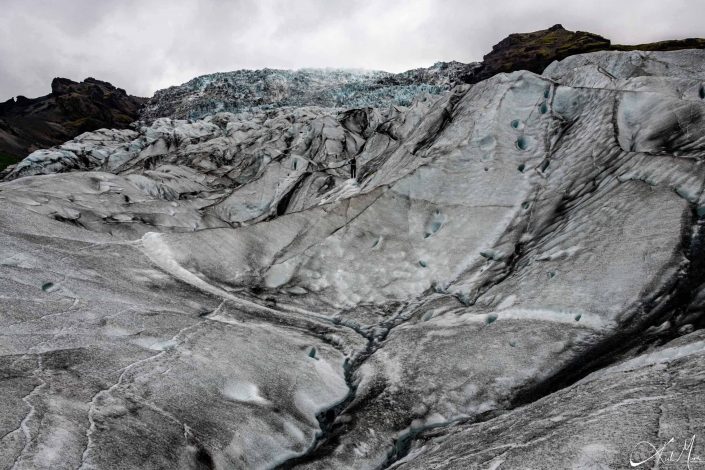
(219, 292)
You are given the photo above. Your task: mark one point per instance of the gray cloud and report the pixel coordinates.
(144, 45)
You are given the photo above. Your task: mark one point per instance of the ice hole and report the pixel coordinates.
(492, 255)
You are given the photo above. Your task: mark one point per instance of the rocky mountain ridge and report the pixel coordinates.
(70, 109)
(537, 50)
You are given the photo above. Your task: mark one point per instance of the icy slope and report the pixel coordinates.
(606, 420)
(221, 293)
(248, 90)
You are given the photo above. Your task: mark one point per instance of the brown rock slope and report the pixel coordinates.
(69, 110)
(536, 50)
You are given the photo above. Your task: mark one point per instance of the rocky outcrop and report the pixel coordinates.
(536, 50)
(69, 110)
(669, 45)
(517, 263)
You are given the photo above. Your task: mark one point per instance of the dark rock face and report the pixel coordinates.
(671, 45)
(69, 110)
(534, 51)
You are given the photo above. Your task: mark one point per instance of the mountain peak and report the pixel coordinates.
(71, 108)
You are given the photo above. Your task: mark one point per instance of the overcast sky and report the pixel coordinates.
(144, 45)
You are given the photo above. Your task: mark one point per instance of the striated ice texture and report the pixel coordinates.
(513, 280)
(248, 90)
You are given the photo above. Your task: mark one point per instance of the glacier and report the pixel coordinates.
(266, 89)
(514, 279)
